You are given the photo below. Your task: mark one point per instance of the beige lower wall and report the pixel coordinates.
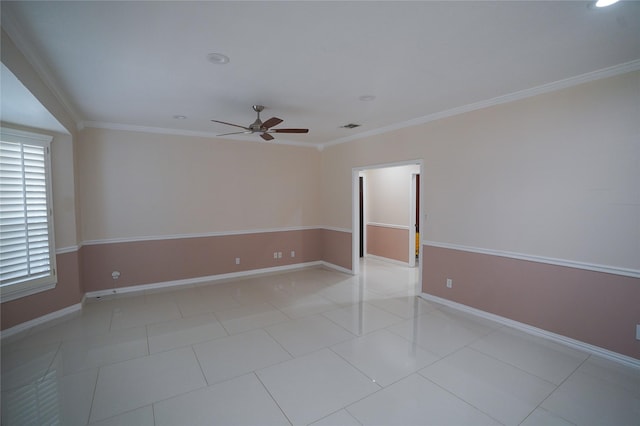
(156, 261)
(336, 248)
(384, 241)
(593, 307)
(67, 292)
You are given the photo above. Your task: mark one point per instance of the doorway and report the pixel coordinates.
(410, 223)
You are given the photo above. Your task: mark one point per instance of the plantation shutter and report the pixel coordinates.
(26, 240)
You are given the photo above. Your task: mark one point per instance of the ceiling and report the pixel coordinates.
(138, 65)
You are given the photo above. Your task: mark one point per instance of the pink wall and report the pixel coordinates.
(67, 292)
(336, 248)
(392, 243)
(593, 307)
(155, 261)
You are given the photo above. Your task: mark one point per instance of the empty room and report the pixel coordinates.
(320, 213)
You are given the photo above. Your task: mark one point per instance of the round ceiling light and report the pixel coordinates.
(605, 3)
(218, 58)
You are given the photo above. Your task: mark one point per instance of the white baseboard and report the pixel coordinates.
(388, 260)
(336, 267)
(41, 320)
(558, 338)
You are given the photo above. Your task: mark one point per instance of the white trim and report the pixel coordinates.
(183, 132)
(634, 273)
(388, 225)
(337, 229)
(387, 259)
(522, 94)
(336, 267)
(12, 27)
(199, 280)
(558, 338)
(70, 249)
(40, 320)
(199, 235)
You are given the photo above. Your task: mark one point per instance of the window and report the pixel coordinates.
(27, 250)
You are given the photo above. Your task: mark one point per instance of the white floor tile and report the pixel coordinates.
(416, 401)
(250, 317)
(205, 300)
(308, 334)
(313, 386)
(624, 377)
(297, 307)
(96, 351)
(26, 365)
(135, 383)
(384, 357)
(504, 392)
(224, 351)
(241, 401)
(138, 417)
(232, 356)
(362, 318)
(440, 333)
(587, 400)
(339, 418)
(183, 332)
(548, 360)
(542, 417)
(405, 306)
(143, 314)
(53, 400)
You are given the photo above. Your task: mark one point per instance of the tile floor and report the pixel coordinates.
(311, 346)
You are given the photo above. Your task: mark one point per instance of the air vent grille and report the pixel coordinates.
(350, 126)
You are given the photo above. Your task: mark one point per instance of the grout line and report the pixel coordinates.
(274, 400)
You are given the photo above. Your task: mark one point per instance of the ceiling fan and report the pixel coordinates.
(259, 127)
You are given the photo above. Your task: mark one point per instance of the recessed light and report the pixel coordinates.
(367, 98)
(180, 117)
(218, 58)
(605, 3)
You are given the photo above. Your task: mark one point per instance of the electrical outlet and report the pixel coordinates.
(449, 283)
(115, 275)
(237, 260)
(279, 255)
(275, 254)
(293, 253)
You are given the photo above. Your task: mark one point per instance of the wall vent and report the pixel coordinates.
(350, 126)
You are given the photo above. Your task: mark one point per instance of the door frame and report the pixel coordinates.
(355, 211)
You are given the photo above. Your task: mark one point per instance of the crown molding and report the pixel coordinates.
(26, 47)
(511, 97)
(182, 132)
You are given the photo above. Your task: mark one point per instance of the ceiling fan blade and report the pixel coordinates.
(273, 121)
(230, 124)
(234, 133)
(289, 131)
(266, 136)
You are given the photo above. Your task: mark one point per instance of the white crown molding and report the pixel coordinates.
(522, 94)
(535, 331)
(12, 27)
(634, 273)
(183, 132)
